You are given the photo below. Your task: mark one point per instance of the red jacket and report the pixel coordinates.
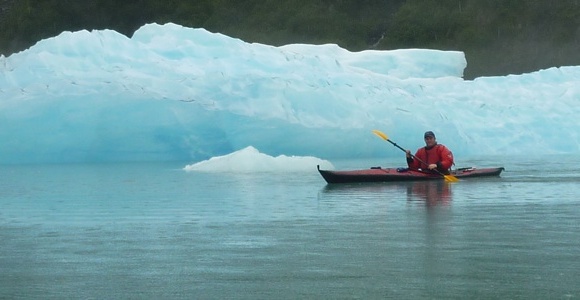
(438, 154)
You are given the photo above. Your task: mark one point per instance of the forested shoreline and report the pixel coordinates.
(499, 37)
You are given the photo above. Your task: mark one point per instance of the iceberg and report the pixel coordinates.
(172, 93)
(249, 160)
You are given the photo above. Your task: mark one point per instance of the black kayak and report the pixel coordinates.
(378, 174)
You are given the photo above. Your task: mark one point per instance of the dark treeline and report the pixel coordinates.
(498, 36)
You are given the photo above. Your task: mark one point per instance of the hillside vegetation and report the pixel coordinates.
(499, 37)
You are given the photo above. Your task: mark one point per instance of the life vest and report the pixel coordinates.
(438, 154)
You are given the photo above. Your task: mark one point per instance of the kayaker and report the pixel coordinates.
(435, 156)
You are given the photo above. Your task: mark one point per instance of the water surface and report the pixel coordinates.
(144, 231)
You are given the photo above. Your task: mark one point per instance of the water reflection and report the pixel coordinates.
(430, 193)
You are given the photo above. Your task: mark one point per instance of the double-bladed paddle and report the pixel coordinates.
(449, 178)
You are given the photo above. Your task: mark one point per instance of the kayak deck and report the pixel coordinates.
(378, 174)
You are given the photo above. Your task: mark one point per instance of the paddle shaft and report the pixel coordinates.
(395, 144)
(412, 156)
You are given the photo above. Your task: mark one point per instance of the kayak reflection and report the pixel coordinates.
(430, 192)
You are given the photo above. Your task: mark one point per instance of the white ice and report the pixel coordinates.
(183, 94)
(250, 159)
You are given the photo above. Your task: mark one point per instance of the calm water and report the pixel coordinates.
(153, 231)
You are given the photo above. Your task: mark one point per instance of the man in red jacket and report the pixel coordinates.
(432, 156)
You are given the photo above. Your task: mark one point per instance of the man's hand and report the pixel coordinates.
(432, 166)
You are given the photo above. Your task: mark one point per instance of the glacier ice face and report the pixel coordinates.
(176, 93)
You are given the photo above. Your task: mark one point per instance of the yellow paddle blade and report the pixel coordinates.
(380, 134)
(450, 178)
